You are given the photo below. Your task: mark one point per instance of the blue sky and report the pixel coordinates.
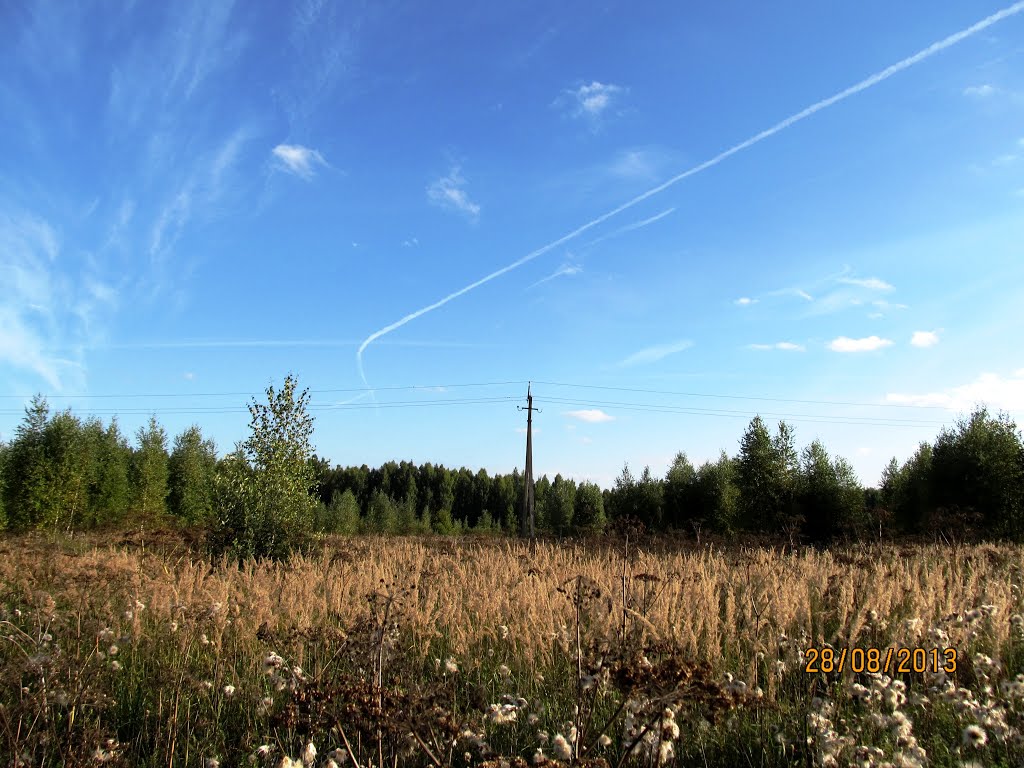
(691, 213)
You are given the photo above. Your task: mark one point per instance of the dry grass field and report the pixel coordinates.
(461, 651)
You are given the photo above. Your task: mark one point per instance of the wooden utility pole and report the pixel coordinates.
(526, 515)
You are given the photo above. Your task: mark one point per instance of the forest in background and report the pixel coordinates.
(62, 472)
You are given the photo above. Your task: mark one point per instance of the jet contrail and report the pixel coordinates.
(630, 227)
(863, 85)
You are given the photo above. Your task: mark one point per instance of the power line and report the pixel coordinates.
(439, 387)
(669, 408)
(255, 394)
(738, 397)
(312, 407)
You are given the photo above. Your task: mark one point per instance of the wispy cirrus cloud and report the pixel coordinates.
(297, 159)
(450, 192)
(866, 344)
(589, 415)
(871, 283)
(990, 389)
(43, 309)
(785, 346)
(859, 87)
(745, 301)
(924, 339)
(591, 100)
(655, 353)
(980, 91)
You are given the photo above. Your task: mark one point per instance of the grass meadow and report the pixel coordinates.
(141, 650)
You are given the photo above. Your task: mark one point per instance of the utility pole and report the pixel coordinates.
(526, 515)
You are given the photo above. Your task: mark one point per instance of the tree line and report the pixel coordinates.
(61, 472)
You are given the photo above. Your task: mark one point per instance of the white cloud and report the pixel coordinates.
(591, 100)
(635, 164)
(803, 294)
(412, 242)
(785, 346)
(41, 309)
(991, 389)
(871, 283)
(979, 91)
(302, 161)
(924, 339)
(655, 353)
(867, 344)
(449, 192)
(590, 415)
(822, 104)
(189, 376)
(744, 301)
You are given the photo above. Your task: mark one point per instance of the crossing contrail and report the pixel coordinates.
(863, 85)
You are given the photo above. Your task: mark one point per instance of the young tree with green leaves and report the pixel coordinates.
(110, 489)
(679, 482)
(767, 470)
(25, 491)
(588, 513)
(150, 471)
(716, 494)
(978, 474)
(191, 470)
(830, 497)
(266, 486)
(560, 507)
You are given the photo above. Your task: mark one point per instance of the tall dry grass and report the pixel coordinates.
(712, 604)
(193, 629)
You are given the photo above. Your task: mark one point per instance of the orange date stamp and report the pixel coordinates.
(880, 660)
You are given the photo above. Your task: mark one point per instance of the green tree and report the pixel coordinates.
(909, 490)
(767, 469)
(978, 474)
(4, 452)
(341, 515)
(679, 482)
(25, 490)
(561, 505)
(716, 494)
(68, 462)
(382, 515)
(588, 515)
(191, 470)
(830, 497)
(110, 488)
(623, 499)
(149, 471)
(265, 489)
(650, 499)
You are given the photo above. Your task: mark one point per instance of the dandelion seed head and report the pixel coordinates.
(561, 747)
(974, 736)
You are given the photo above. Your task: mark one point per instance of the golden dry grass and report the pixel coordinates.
(711, 604)
(477, 621)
